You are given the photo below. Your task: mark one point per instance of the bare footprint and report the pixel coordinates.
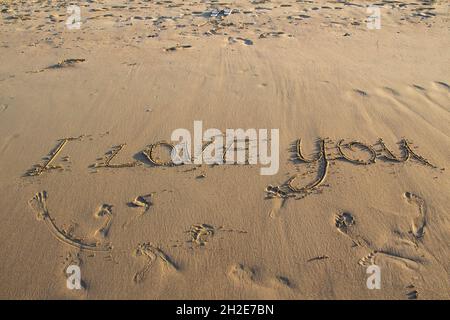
(277, 204)
(344, 222)
(105, 211)
(419, 223)
(368, 260)
(255, 283)
(201, 233)
(242, 274)
(247, 42)
(285, 281)
(151, 254)
(144, 202)
(405, 262)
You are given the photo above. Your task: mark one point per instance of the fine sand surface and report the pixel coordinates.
(79, 107)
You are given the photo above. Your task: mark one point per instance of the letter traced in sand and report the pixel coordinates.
(350, 146)
(390, 155)
(320, 179)
(110, 155)
(290, 189)
(300, 156)
(408, 153)
(38, 169)
(150, 153)
(39, 204)
(151, 253)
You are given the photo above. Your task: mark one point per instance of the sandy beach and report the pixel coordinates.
(90, 96)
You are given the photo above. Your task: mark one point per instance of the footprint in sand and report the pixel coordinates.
(151, 254)
(247, 42)
(105, 211)
(201, 234)
(419, 223)
(242, 274)
(345, 222)
(277, 205)
(144, 202)
(368, 260)
(284, 281)
(251, 278)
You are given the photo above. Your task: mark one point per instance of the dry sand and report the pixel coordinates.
(142, 69)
